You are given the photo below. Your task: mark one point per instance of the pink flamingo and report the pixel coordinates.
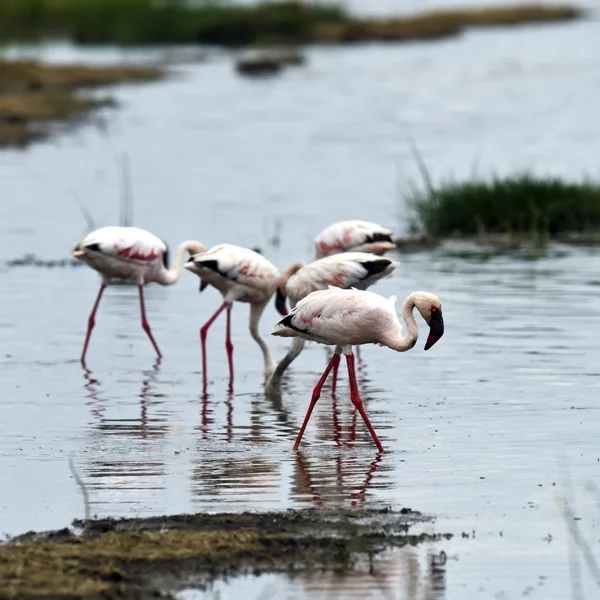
(133, 254)
(241, 275)
(353, 236)
(346, 318)
(357, 270)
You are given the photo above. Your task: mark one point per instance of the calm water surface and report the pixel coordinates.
(477, 428)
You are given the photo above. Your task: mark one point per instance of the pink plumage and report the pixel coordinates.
(353, 236)
(240, 275)
(133, 254)
(346, 318)
(349, 269)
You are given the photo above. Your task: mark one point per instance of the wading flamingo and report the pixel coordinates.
(346, 270)
(353, 236)
(241, 275)
(134, 254)
(346, 318)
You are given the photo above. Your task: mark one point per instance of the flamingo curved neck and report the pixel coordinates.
(400, 343)
(274, 379)
(255, 314)
(170, 276)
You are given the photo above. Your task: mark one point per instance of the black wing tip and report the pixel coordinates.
(379, 237)
(287, 322)
(211, 264)
(376, 266)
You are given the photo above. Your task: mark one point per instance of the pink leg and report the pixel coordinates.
(358, 402)
(229, 345)
(203, 331)
(335, 374)
(145, 324)
(91, 322)
(315, 396)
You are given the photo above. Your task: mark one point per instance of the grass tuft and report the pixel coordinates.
(522, 205)
(129, 22)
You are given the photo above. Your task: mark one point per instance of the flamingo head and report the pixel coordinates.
(430, 308)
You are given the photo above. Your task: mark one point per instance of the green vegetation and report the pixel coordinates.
(224, 23)
(521, 206)
(149, 21)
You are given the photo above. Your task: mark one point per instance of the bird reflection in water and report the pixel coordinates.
(406, 573)
(334, 482)
(244, 464)
(126, 473)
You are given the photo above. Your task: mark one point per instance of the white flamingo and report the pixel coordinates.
(346, 318)
(353, 236)
(241, 275)
(134, 254)
(357, 270)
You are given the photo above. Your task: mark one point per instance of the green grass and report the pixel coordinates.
(222, 22)
(523, 205)
(170, 21)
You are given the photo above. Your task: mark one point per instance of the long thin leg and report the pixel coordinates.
(315, 396)
(335, 370)
(92, 322)
(145, 324)
(229, 345)
(203, 331)
(358, 402)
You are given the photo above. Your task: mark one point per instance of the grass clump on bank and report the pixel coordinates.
(521, 206)
(129, 22)
(148, 21)
(33, 94)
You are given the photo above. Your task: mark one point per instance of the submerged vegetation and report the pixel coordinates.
(518, 207)
(32, 94)
(151, 557)
(229, 24)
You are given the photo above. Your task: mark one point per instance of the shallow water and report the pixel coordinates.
(477, 428)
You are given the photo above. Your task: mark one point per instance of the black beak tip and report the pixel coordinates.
(436, 331)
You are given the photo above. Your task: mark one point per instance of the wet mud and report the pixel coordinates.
(145, 558)
(32, 95)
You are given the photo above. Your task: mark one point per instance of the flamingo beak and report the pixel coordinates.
(280, 303)
(436, 329)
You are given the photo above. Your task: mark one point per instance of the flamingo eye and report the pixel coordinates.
(434, 309)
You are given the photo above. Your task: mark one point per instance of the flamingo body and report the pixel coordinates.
(339, 317)
(345, 270)
(353, 236)
(240, 275)
(129, 253)
(349, 269)
(347, 318)
(123, 253)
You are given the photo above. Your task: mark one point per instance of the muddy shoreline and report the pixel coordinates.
(112, 558)
(35, 97)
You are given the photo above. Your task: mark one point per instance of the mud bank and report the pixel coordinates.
(34, 96)
(147, 557)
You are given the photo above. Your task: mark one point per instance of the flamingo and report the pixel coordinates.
(353, 236)
(346, 270)
(134, 254)
(346, 318)
(241, 275)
